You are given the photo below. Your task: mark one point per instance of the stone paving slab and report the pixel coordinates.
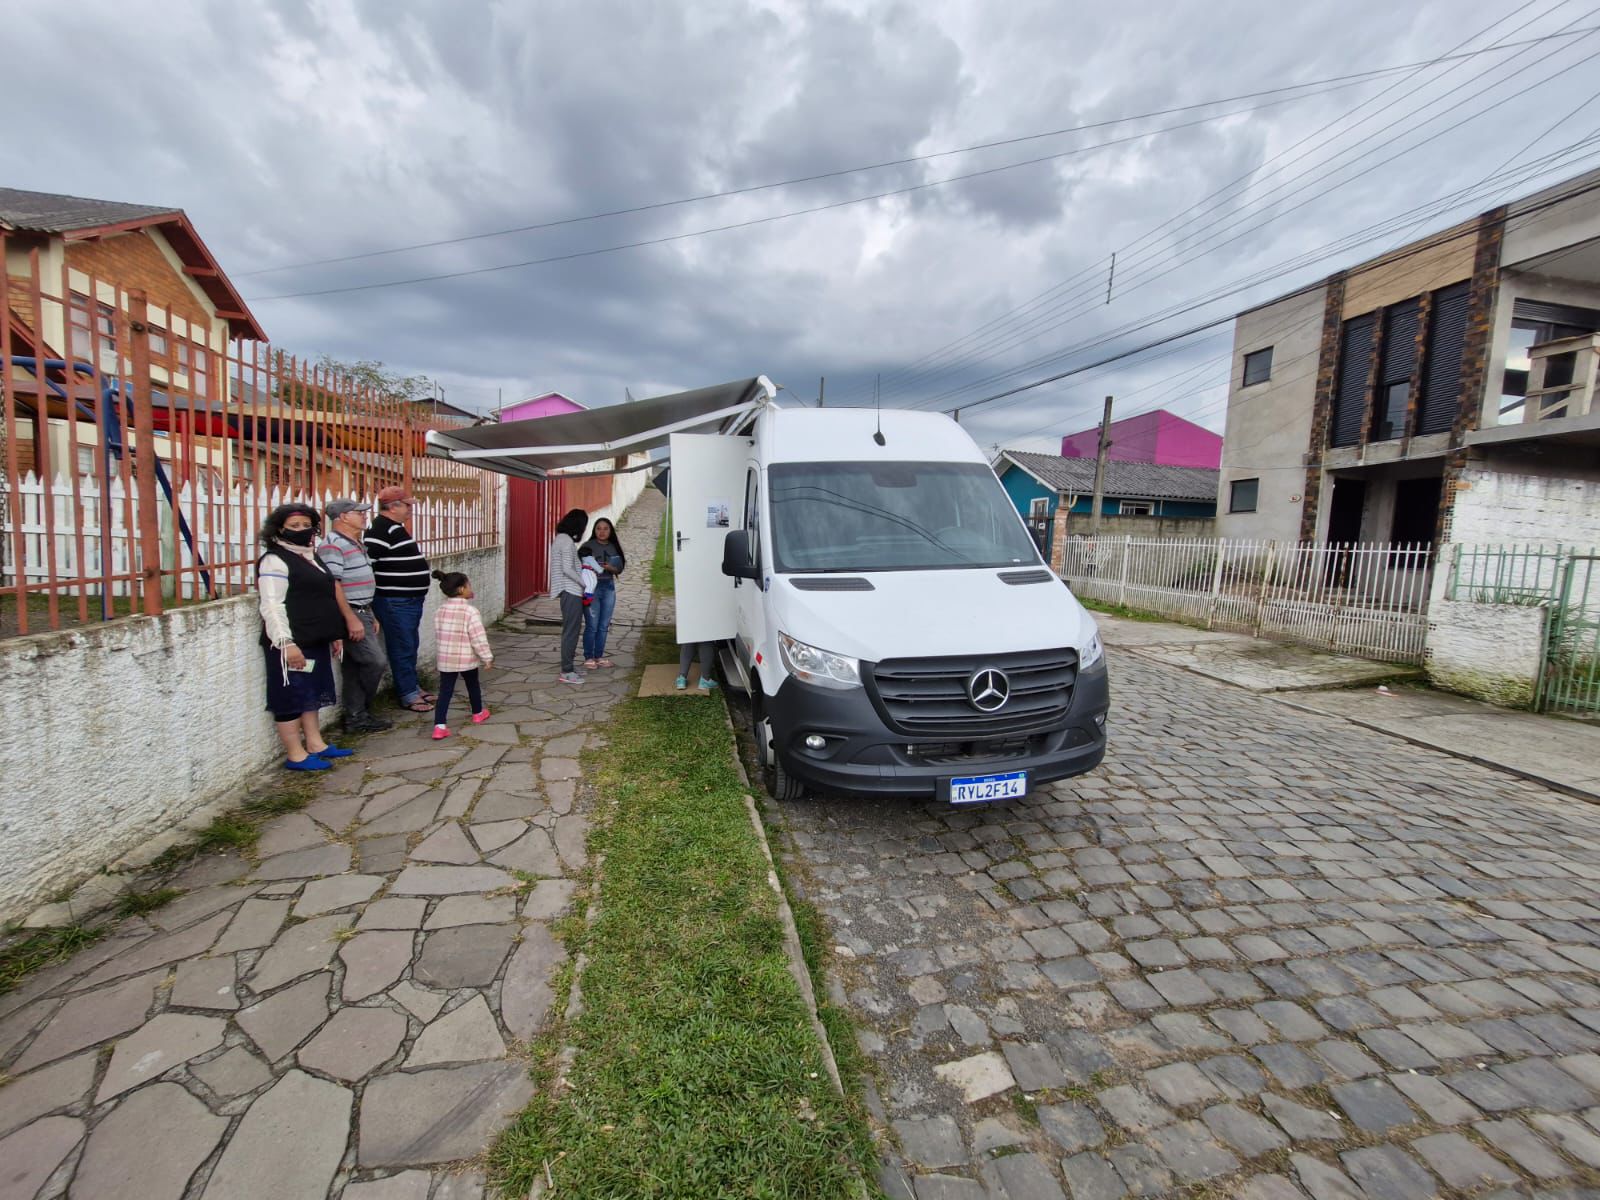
(339, 1013)
(1260, 952)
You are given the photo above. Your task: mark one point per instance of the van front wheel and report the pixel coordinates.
(780, 784)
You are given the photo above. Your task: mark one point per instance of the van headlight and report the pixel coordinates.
(822, 668)
(1092, 653)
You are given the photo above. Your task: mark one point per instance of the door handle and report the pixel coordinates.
(681, 541)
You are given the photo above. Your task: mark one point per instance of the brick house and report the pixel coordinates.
(71, 265)
(1444, 391)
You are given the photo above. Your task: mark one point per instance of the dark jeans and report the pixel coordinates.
(364, 666)
(401, 619)
(571, 627)
(597, 620)
(447, 688)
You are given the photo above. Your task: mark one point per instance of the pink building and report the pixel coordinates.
(548, 405)
(1161, 438)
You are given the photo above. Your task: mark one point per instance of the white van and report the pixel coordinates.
(885, 607)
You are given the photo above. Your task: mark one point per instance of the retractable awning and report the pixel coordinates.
(533, 448)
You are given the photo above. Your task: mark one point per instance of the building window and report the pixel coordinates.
(85, 329)
(1349, 400)
(1038, 509)
(1394, 378)
(1533, 324)
(1135, 508)
(1257, 366)
(1242, 495)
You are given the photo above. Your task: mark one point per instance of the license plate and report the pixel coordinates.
(980, 789)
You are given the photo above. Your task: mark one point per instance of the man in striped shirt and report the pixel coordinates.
(342, 553)
(402, 576)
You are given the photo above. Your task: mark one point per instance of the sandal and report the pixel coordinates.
(420, 705)
(589, 664)
(604, 662)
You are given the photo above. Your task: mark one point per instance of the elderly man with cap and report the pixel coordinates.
(403, 578)
(345, 557)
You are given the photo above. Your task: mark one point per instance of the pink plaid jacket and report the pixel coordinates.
(460, 637)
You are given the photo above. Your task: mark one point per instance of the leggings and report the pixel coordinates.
(447, 687)
(708, 658)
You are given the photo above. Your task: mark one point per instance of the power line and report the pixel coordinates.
(1419, 248)
(950, 394)
(783, 216)
(1342, 80)
(1193, 213)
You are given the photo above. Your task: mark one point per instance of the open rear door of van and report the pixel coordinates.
(707, 485)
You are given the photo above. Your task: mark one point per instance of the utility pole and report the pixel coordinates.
(822, 391)
(1100, 469)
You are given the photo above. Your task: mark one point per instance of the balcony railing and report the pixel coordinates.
(1561, 378)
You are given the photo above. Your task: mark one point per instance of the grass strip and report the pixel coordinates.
(661, 580)
(697, 1073)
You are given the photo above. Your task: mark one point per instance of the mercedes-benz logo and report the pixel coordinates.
(989, 690)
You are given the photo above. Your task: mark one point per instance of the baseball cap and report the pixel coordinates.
(337, 508)
(391, 494)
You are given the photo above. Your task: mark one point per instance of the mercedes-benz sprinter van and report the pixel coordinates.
(885, 607)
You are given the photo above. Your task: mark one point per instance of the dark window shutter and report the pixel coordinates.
(1350, 391)
(1556, 314)
(1447, 343)
(1400, 342)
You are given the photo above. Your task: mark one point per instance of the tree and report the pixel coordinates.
(375, 375)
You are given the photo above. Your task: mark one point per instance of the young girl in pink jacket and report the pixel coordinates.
(462, 645)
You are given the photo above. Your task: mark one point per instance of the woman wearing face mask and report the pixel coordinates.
(301, 634)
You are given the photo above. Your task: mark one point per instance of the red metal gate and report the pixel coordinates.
(532, 510)
(529, 523)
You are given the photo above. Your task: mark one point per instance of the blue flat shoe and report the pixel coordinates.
(333, 752)
(310, 763)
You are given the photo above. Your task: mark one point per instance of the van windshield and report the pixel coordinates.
(907, 516)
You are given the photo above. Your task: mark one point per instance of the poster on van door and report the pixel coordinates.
(717, 514)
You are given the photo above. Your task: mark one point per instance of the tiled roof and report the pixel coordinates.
(46, 212)
(1140, 481)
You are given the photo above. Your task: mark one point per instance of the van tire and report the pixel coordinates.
(780, 785)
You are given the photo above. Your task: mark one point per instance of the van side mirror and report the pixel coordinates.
(736, 556)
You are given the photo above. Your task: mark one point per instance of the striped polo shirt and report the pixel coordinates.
(347, 562)
(397, 561)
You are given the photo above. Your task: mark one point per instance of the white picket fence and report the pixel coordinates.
(95, 540)
(1367, 599)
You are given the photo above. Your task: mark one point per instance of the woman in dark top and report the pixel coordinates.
(302, 632)
(606, 551)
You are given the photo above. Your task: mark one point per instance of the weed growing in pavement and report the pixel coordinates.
(136, 904)
(696, 1072)
(21, 954)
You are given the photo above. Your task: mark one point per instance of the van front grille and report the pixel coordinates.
(929, 696)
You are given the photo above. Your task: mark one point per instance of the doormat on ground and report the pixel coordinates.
(657, 681)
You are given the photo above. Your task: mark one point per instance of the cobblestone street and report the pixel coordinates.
(1258, 953)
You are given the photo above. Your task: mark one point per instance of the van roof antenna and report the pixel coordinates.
(877, 403)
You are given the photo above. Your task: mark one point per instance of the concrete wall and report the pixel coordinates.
(116, 732)
(1269, 424)
(1529, 499)
(1491, 652)
(1144, 527)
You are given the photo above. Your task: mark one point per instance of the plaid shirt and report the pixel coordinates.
(460, 637)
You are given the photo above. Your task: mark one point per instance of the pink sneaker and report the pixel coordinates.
(478, 718)
(440, 731)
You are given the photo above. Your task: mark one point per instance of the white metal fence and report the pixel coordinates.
(1367, 599)
(98, 541)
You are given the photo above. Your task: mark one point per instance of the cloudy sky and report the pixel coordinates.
(300, 131)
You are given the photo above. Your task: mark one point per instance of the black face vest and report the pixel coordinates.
(314, 615)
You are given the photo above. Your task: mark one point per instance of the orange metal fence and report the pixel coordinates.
(139, 452)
